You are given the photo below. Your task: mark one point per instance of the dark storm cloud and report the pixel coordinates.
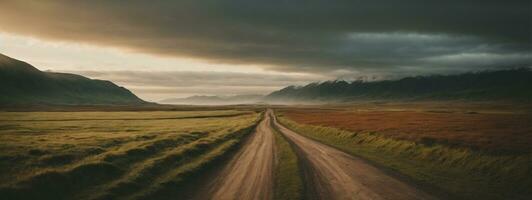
(311, 36)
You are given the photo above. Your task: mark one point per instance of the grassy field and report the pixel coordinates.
(288, 181)
(105, 155)
(501, 130)
(454, 151)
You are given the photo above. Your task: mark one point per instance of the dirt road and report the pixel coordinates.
(333, 174)
(330, 173)
(249, 175)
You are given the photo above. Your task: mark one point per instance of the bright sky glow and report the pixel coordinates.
(65, 56)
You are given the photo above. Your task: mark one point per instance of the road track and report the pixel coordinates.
(329, 173)
(333, 174)
(249, 175)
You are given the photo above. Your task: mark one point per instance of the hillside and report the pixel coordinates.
(23, 84)
(504, 85)
(215, 100)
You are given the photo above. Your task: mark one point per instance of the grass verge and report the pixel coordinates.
(461, 172)
(159, 154)
(174, 185)
(288, 183)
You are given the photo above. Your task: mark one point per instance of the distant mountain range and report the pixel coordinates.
(215, 100)
(510, 85)
(23, 84)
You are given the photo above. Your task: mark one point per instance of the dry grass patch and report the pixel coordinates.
(88, 155)
(501, 132)
(462, 172)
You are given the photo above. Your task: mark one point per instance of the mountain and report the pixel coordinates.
(23, 84)
(215, 100)
(511, 85)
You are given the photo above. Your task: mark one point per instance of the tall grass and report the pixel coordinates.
(203, 155)
(460, 172)
(109, 156)
(288, 182)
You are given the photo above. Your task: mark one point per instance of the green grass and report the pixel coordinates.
(461, 172)
(288, 183)
(112, 155)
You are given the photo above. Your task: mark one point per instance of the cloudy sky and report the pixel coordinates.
(161, 49)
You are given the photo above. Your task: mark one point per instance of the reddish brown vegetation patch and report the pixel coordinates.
(501, 132)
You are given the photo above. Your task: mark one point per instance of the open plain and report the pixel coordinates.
(112, 155)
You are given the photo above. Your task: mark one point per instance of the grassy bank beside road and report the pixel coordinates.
(113, 155)
(461, 172)
(288, 182)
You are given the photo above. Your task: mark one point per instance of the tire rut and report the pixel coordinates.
(333, 174)
(249, 175)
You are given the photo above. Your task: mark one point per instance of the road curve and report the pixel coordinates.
(249, 175)
(333, 174)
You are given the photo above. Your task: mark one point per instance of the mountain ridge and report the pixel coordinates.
(23, 84)
(512, 84)
(215, 99)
